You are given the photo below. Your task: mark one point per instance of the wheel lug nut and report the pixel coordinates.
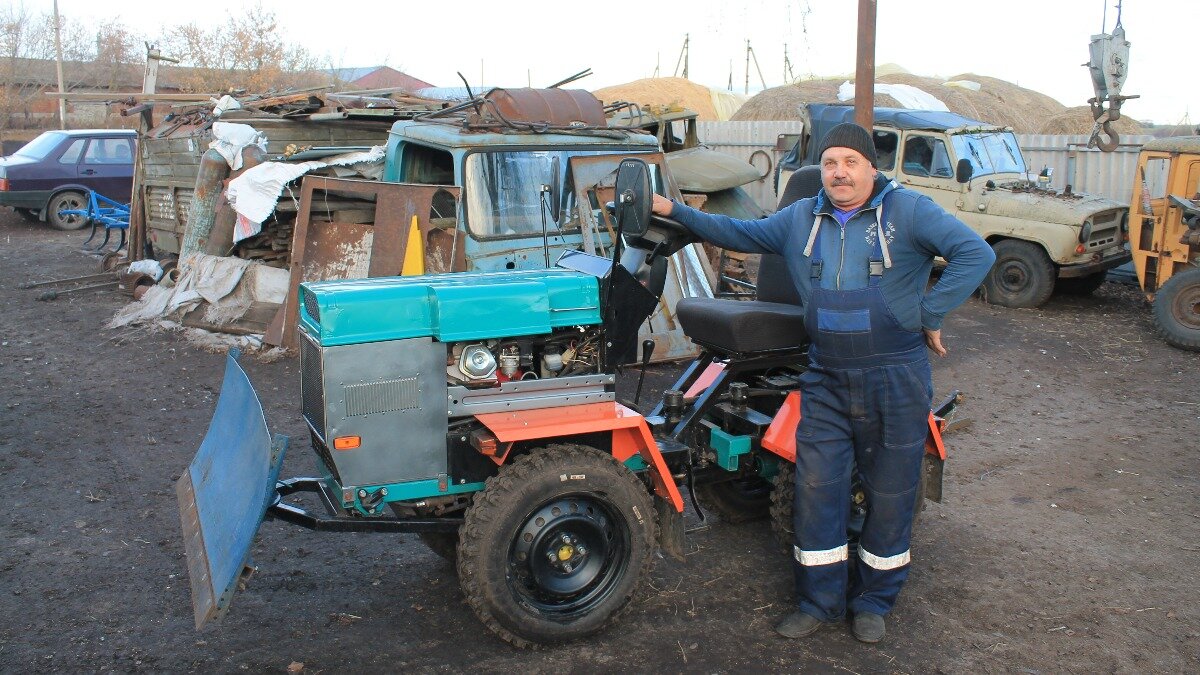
(566, 539)
(551, 557)
(580, 550)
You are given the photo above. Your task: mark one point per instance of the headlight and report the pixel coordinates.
(1085, 232)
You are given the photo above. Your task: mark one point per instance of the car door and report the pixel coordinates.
(107, 167)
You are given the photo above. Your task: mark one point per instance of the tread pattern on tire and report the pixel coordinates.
(1038, 262)
(486, 508)
(1173, 333)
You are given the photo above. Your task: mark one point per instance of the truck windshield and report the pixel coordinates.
(41, 146)
(503, 191)
(991, 152)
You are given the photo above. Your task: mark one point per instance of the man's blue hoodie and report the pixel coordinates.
(916, 228)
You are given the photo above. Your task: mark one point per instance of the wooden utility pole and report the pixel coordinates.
(62, 102)
(864, 72)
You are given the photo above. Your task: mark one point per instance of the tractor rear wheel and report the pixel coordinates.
(556, 545)
(1177, 309)
(783, 500)
(737, 501)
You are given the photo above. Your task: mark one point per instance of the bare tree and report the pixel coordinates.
(245, 53)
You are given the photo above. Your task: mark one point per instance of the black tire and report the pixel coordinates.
(783, 500)
(66, 200)
(1080, 285)
(1177, 310)
(28, 214)
(444, 544)
(1023, 275)
(737, 501)
(561, 500)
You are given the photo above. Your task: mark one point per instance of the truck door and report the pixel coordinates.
(927, 166)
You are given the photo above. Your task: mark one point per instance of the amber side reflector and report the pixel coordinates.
(347, 442)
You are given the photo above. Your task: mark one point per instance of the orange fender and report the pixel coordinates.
(630, 435)
(780, 438)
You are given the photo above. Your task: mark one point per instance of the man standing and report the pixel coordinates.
(860, 254)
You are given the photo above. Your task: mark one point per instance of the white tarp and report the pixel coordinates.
(255, 193)
(906, 95)
(229, 139)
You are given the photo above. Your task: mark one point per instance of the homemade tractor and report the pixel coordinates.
(1164, 237)
(478, 410)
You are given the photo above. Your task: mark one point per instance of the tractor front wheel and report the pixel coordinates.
(1177, 309)
(556, 545)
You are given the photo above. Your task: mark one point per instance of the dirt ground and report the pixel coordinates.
(1068, 541)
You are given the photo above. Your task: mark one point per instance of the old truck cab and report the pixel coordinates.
(974, 170)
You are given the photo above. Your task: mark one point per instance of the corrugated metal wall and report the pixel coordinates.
(754, 142)
(1106, 174)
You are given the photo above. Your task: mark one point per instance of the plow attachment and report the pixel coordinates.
(225, 492)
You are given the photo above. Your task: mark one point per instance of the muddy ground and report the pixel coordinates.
(1068, 541)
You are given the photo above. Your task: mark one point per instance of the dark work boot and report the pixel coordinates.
(868, 627)
(798, 624)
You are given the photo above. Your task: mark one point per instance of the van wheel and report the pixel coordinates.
(1177, 310)
(1081, 285)
(63, 201)
(1023, 275)
(556, 545)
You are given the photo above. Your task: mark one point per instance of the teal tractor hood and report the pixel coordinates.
(448, 307)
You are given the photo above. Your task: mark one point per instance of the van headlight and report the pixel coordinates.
(1085, 232)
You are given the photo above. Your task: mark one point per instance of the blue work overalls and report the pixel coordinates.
(864, 403)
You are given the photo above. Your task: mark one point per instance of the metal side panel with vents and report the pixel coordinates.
(392, 395)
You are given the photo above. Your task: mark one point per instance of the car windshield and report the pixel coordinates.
(504, 196)
(991, 152)
(41, 146)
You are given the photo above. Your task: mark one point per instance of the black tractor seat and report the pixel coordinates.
(772, 323)
(775, 322)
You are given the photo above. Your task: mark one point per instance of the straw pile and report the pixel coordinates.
(997, 102)
(1078, 120)
(663, 91)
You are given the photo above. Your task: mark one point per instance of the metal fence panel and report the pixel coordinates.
(1105, 174)
(756, 143)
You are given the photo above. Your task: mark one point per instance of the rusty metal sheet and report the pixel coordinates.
(355, 229)
(559, 107)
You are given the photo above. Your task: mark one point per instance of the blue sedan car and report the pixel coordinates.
(54, 171)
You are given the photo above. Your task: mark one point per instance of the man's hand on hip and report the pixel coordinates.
(662, 206)
(933, 340)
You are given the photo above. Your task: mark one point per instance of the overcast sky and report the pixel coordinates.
(1039, 44)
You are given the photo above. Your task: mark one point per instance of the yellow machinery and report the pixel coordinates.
(1164, 223)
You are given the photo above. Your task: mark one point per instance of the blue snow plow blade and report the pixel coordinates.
(225, 493)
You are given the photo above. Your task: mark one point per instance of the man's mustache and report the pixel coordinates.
(842, 181)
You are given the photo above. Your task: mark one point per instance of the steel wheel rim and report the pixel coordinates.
(1186, 308)
(548, 572)
(1014, 276)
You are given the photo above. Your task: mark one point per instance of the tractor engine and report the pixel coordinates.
(563, 353)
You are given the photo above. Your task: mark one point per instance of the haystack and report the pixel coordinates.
(663, 91)
(997, 102)
(1078, 120)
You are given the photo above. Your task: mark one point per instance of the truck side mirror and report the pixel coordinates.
(633, 197)
(963, 171)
